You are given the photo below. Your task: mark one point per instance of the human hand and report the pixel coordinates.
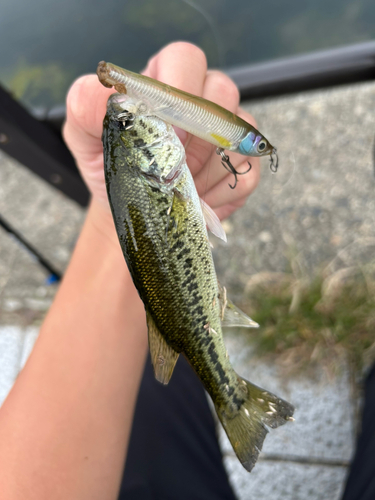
(180, 65)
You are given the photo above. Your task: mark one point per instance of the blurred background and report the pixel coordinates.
(300, 254)
(45, 45)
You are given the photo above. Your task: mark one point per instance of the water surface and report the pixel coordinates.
(45, 44)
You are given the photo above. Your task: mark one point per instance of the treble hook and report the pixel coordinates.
(229, 167)
(274, 165)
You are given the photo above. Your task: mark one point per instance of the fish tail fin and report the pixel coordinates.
(247, 428)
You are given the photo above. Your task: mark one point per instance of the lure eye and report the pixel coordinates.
(262, 146)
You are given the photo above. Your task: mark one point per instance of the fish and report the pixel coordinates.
(161, 226)
(194, 114)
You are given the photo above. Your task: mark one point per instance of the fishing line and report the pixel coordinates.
(208, 171)
(214, 30)
(281, 187)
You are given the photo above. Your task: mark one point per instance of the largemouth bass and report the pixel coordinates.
(162, 232)
(196, 115)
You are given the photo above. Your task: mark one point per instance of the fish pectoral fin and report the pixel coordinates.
(232, 315)
(212, 221)
(163, 357)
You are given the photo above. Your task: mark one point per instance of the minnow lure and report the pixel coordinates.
(196, 115)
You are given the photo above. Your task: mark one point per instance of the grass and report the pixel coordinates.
(315, 323)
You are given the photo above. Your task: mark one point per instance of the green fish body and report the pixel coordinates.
(162, 232)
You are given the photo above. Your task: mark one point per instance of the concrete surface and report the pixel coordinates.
(322, 407)
(15, 347)
(287, 481)
(304, 459)
(322, 200)
(318, 209)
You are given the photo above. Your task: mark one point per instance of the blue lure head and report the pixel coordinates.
(255, 144)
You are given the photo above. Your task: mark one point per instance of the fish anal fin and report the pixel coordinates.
(163, 357)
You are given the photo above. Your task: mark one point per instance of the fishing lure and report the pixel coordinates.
(196, 115)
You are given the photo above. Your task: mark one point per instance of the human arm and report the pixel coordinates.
(65, 426)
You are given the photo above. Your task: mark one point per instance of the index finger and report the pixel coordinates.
(181, 65)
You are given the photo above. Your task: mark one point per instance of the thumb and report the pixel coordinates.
(86, 107)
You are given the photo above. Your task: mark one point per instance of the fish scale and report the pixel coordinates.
(162, 232)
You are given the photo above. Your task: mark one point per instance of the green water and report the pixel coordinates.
(44, 44)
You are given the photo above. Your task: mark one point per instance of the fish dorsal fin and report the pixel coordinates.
(163, 357)
(213, 221)
(230, 314)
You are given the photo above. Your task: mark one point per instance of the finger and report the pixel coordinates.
(86, 107)
(226, 210)
(220, 89)
(180, 64)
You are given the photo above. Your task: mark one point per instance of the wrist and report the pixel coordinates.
(98, 248)
(98, 258)
(100, 222)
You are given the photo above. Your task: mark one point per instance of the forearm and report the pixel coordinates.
(65, 425)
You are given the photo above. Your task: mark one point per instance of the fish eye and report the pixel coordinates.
(262, 145)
